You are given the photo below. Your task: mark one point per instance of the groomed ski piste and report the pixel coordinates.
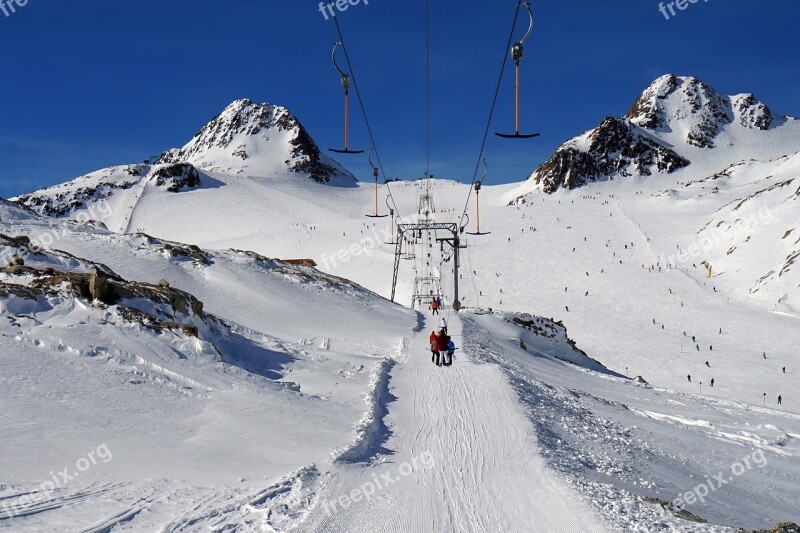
(301, 399)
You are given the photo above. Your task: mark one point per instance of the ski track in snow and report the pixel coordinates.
(487, 474)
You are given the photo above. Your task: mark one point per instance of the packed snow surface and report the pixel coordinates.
(301, 399)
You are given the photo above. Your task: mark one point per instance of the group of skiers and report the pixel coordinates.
(442, 348)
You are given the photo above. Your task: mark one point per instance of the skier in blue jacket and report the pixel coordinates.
(451, 349)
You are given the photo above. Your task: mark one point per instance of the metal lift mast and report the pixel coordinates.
(453, 241)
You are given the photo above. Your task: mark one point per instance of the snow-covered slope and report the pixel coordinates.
(677, 122)
(754, 231)
(280, 402)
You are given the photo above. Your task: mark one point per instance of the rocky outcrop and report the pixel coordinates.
(177, 177)
(616, 148)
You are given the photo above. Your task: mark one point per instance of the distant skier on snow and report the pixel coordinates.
(435, 307)
(443, 325)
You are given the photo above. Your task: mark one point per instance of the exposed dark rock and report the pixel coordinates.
(753, 113)
(177, 177)
(646, 109)
(65, 203)
(192, 251)
(616, 148)
(98, 286)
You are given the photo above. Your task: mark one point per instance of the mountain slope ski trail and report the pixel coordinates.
(138, 192)
(464, 458)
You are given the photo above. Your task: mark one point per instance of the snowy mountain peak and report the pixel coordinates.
(676, 122)
(692, 107)
(258, 139)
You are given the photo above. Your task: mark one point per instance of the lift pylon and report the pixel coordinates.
(454, 241)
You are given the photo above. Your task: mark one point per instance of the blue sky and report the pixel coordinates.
(92, 83)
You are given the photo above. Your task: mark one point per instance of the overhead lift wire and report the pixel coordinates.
(364, 113)
(427, 87)
(491, 112)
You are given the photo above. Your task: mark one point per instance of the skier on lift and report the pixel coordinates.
(435, 357)
(451, 350)
(442, 342)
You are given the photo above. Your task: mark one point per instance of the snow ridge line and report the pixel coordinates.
(370, 430)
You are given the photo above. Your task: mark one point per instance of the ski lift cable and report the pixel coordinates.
(492, 109)
(427, 88)
(364, 112)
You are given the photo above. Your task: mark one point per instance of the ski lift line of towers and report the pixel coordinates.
(427, 286)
